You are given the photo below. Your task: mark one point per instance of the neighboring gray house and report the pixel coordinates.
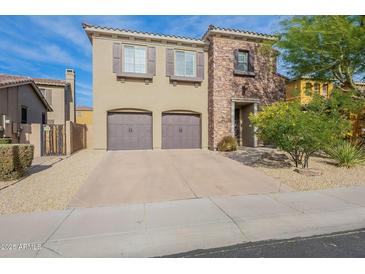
(21, 106)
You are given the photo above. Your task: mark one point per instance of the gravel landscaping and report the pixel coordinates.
(277, 165)
(50, 185)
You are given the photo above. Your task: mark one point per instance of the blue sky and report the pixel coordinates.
(44, 46)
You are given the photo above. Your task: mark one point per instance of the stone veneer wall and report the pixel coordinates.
(223, 85)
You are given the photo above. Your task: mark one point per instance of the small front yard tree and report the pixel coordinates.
(297, 132)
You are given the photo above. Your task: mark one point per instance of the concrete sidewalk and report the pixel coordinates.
(155, 229)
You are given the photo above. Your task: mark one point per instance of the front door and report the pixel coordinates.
(237, 125)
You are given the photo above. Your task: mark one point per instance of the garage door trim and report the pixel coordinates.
(149, 113)
(198, 144)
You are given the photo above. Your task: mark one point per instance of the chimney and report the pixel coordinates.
(70, 80)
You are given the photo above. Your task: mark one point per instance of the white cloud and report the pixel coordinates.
(45, 53)
(83, 89)
(66, 27)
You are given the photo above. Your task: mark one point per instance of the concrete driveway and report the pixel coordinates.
(165, 175)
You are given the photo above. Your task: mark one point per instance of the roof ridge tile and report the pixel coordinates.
(85, 25)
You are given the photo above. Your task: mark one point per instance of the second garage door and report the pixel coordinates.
(181, 131)
(129, 131)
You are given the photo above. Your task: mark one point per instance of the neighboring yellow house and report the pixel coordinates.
(303, 88)
(84, 115)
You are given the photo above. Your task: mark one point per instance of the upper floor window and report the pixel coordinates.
(24, 115)
(317, 87)
(47, 93)
(325, 90)
(242, 61)
(135, 59)
(185, 63)
(308, 89)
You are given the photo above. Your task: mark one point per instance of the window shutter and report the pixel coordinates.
(200, 65)
(169, 62)
(151, 60)
(236, 59)
(117, 58)
(251, 61)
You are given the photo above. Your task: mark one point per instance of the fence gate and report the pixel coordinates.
(54, 140)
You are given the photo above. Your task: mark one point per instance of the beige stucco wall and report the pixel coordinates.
(57, 104)
(158, 96)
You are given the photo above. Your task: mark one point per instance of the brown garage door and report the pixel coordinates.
(181, 131)
(129, 131)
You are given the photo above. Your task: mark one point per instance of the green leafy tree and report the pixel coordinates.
(340, 103)
(324, 47)
(299, 133)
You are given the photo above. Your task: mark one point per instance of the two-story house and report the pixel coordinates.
(60, 94)
(303, 88)
(164, 91)
(149, 90)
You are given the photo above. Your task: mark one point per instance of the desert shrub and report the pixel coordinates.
(347, 154)
(5, 141)
(14, 160)
(301, 133)
(228, 143)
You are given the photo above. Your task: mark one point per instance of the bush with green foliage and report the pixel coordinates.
(341, 105)
(301, 133)
(5, 140)
(228, 143)
(14, 160)
(347, 154)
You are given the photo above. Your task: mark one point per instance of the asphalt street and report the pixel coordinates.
(349, 244)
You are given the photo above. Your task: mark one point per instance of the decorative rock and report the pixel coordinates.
(309, 171)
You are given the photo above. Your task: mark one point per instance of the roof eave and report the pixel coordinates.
(92, 29)
(36, 89)
(51, 84)
(9, 85)
(237, 34)
(39, 93)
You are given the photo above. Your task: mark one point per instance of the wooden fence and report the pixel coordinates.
(78, 135)
(53, 140)
(63, 139)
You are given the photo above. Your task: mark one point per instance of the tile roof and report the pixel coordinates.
(83, 108)
(152, 34)
(239, 32)
(50, 82)
(7, 80)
